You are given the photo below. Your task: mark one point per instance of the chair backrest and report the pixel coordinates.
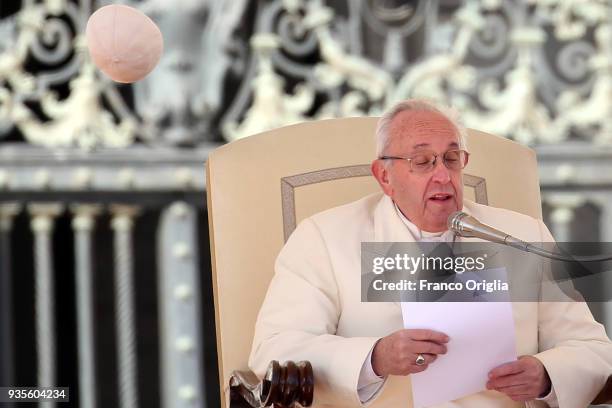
(260, 187)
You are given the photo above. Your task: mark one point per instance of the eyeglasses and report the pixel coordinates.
(425, 161)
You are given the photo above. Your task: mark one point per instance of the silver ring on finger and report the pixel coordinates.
(420, 360)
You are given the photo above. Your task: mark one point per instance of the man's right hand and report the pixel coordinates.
(396, 353)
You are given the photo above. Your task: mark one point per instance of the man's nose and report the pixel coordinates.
(441, 174)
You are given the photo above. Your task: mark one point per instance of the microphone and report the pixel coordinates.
(465, 225)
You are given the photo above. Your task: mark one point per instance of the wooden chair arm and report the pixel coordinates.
(283, 386)
(605, 395)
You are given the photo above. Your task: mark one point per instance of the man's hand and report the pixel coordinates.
(521, 380)
(396, 354)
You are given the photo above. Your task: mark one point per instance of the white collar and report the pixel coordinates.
(421, 235)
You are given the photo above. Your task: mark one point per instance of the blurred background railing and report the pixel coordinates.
(104, 259)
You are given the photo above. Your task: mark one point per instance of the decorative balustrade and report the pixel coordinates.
(97, 204)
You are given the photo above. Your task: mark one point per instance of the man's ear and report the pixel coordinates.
(381, 174)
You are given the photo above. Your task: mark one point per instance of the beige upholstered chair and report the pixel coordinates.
(260, 187)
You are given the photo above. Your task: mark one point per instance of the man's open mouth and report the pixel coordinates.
(440, 197)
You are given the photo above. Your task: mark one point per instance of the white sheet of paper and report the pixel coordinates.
(481, 338)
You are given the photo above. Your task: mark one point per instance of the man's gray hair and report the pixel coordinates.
(415, 105)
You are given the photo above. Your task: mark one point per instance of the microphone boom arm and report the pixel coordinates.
(467, 226)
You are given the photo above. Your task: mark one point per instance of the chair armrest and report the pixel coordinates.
(283, 385)
(605, 395)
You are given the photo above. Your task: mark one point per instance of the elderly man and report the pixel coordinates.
(359, 350)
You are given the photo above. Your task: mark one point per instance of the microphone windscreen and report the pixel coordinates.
(453, 221)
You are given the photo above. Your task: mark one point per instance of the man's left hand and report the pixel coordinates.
(521, 380)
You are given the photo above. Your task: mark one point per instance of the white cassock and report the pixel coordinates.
(313, 311)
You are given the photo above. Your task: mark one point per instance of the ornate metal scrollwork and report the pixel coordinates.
(536, 71)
